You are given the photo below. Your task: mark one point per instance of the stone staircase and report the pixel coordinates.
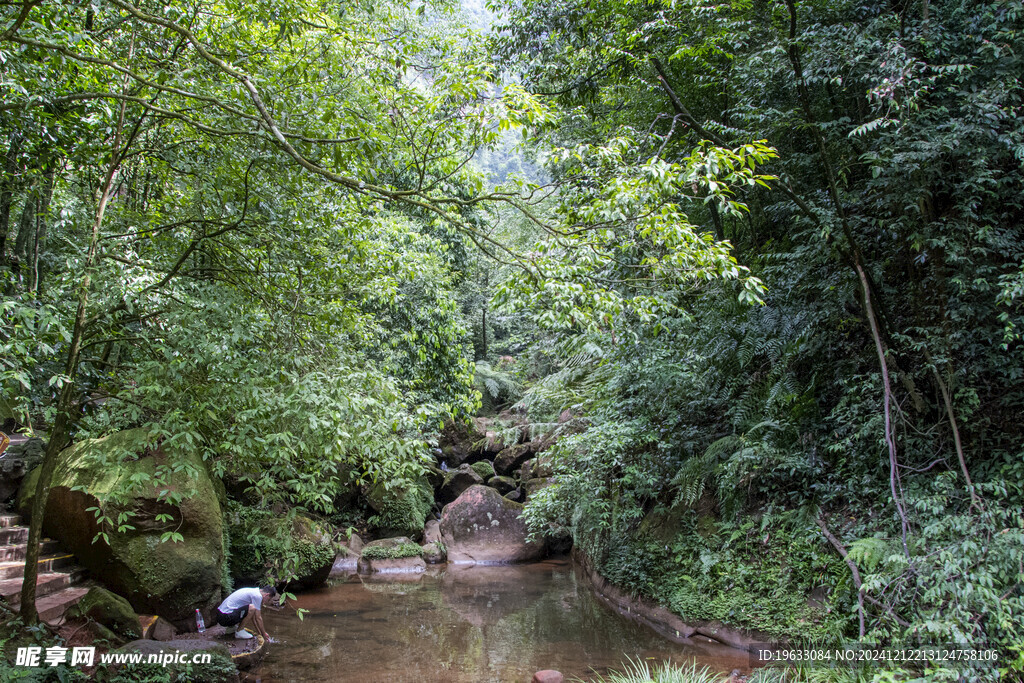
(60, 581)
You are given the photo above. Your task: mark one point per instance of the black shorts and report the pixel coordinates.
(232, 618)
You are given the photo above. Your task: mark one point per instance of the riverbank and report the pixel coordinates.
(660, 619)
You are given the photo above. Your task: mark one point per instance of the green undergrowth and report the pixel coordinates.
(379, 552)
(218, 670)
(13, 635)
(747, 575)
(402, 508)
(639, 671)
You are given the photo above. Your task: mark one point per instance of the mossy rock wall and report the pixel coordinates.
(401, 510)
(261, 541)
(165, 578)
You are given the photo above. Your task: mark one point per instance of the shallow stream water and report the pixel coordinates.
(464, 625)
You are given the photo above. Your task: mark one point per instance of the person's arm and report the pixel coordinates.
(259, 624)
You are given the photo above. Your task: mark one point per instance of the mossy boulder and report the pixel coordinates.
(483, 527)
(456, 481)
(126, 473)
(402, 508)
(262, 543)
(484, 469)
(457, 442)
(511, 459)
(502, 485)
(391, 555)
(110, 611)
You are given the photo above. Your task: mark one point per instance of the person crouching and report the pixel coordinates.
(241, 611)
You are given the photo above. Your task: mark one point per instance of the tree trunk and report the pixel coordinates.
(717, 221)
(483, 333)
(7, 185)
(26, 230)
(65, 406)
(42, 223)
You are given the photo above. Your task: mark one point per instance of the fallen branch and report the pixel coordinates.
(837, 544)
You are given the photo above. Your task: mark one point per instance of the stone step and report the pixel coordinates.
(13, 535)
(52, 607)
(9, 520)
(46, 584)
(15, 569)
(13, 553)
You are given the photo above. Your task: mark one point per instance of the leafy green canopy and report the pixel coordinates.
(242, 228)
(892, 231)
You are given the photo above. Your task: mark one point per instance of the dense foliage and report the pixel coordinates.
(757, 266)
(868, 411)
(233, 232)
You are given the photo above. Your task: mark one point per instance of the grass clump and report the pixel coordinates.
(640, 671)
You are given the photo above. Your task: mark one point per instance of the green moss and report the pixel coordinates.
(110, 610)
(380, 552)
(401, 510)
(735, 574)
(484, 469)
(220, 669)
(264, 545)
(155, 494)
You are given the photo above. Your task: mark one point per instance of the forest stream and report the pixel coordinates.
(465, 624)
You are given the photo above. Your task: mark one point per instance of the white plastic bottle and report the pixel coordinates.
(200, 624)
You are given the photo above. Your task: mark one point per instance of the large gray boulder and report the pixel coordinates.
(484, 528)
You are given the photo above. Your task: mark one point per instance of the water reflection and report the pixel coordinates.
(463, 625)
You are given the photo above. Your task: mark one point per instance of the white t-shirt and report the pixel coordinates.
(241, 598)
